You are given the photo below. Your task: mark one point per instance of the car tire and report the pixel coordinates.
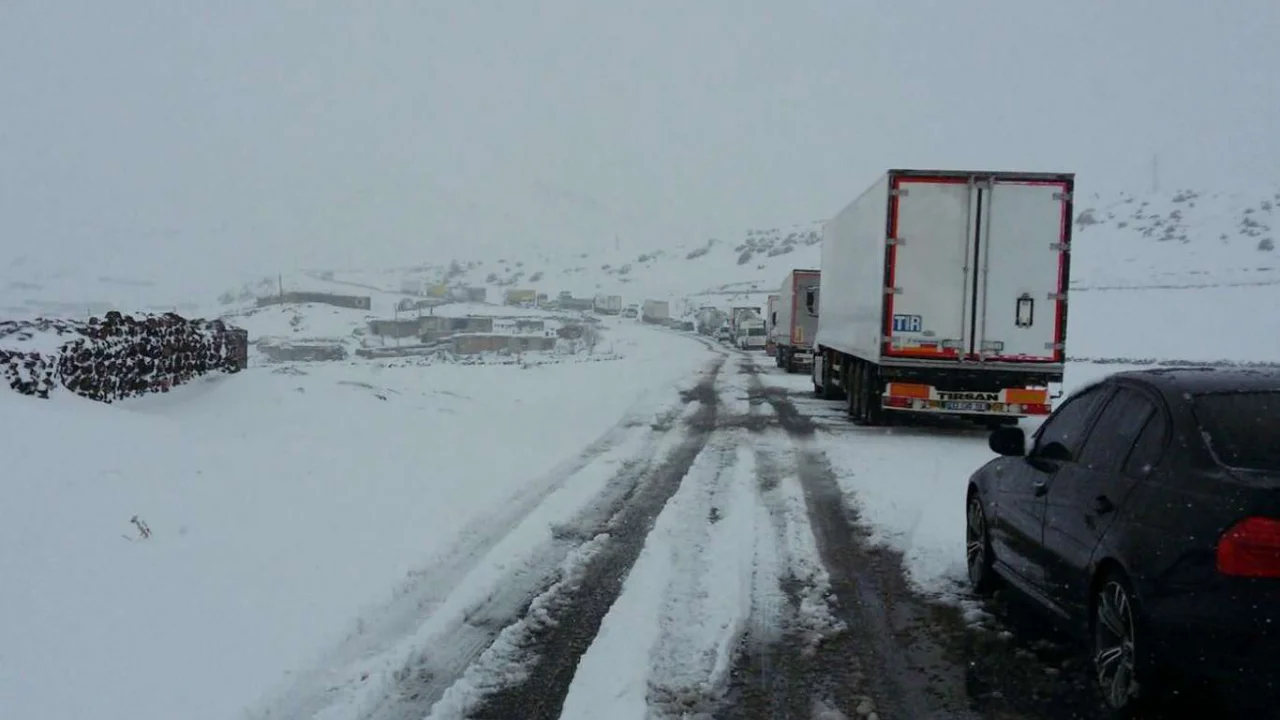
(978, 556)
(1122, 668)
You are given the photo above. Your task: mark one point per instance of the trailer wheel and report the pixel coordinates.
(865, 389)
(829, 390)
(853, 390)
(871, 390)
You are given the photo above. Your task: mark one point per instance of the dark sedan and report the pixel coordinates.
(1145, 512)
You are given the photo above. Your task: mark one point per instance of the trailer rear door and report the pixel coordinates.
(927, 286)
(1022, 258)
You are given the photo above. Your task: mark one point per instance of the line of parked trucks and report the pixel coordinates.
(939, 292)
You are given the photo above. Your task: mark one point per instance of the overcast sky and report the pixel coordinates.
(248, 135)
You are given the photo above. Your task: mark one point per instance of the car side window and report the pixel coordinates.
(1148, 449)
(1069, 423)
(1117, 429)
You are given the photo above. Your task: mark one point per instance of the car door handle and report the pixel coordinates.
(1040, 488)
(1103, 505)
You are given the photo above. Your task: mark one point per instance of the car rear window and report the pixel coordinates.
(1242, 428)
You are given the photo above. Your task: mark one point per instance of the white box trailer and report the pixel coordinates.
(655, 311)
(608, 304)
(771, 324)
(946, 292)
(797, 319)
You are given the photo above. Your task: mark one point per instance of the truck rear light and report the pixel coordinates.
(897, 402)
(1251, 548)
(909, 390)
(1036, 409)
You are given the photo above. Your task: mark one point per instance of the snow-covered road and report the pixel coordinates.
(714, 572)
(677, 530)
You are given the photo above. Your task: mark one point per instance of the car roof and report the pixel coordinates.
(1174, 382)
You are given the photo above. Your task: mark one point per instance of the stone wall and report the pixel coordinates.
(116, 356)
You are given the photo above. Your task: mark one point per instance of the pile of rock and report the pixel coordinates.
(119, 355)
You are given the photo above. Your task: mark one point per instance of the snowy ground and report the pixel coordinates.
(284, 507)
(659, 533)
(660, 529)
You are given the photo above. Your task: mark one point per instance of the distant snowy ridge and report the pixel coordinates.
(1184, 239)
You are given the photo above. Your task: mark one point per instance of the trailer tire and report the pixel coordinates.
(829, 389)
(865, 409)
(875, 414)
(853, 390)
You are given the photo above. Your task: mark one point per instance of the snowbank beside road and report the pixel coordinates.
(280, 506)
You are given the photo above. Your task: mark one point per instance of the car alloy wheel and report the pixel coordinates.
(1115, 649)
(977, 545)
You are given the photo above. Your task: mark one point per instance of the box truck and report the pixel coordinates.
(770, 325)
(709, 319)
(797, 320)
(608, 304)
(945, 292)
(655, 311)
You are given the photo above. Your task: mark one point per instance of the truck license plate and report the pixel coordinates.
(967, 406)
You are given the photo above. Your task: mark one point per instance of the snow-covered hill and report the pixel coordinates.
(1185, 238)
(1208, 260)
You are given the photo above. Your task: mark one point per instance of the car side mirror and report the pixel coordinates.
(1008, 441)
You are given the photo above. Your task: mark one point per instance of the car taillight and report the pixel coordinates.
(1251, 548)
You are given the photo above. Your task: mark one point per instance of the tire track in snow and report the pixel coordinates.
(667, 646)
(891, 650)
(792, 615)
(707, 599)
(401, 658)
(527, 671)
(786, 595)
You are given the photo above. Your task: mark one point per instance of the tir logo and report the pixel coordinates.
(908, 323)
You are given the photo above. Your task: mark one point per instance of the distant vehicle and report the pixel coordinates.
(566, 301)
(459, 293)
(608, 304)
(770, 325)
(631, 312)
(709, 319)
(739, 313)
(724, 334)
(1146, 513)
(959, 308)
(797, 319)
(520, 298)
(412, 286)
(655, 312)
(750, 334)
